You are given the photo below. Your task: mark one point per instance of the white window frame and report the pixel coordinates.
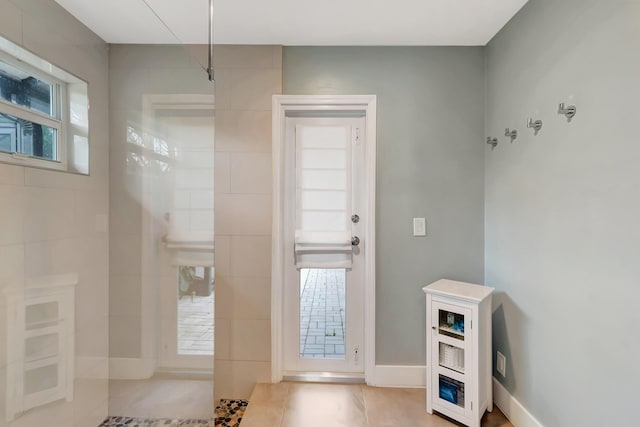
(64, 86)
(58, 120)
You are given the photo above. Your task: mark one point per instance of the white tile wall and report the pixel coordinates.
(12, 214)
(250, 340)
(250, 173)
(12, 175)
(11, 21)
(246, 79)
(135, 192)
(48, 220)
(243, 214)
(243, 130)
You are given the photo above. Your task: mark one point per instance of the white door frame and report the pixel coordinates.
(150, 305)
(283, 105)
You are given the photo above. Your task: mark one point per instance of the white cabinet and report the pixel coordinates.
(40, 343)
(459, 350)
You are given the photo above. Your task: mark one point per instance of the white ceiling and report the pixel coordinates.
(298, 22)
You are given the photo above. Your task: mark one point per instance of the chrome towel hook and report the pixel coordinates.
(492, 142)
(569, 112)
(535, 125)
(513, 134)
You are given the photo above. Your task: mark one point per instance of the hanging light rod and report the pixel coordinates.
(210, 67)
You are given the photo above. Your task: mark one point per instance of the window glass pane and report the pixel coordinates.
(195, 310)
(21, 88)
(26, 137)
(7, 136)
(322, 313)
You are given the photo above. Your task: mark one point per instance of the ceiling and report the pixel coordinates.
(298, 22)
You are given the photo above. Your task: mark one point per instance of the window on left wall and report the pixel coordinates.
(44, 120)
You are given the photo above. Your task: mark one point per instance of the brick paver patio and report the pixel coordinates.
(195, 325)
(322, 296)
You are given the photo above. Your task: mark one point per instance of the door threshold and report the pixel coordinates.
(325, 377)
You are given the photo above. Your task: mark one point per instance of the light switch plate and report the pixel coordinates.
(419, 227)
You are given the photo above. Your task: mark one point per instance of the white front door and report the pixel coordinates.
(324, 292)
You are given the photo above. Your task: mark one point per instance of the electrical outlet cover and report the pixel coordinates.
(419, 227)
(501, 364)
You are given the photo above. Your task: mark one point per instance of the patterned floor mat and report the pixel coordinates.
(228, 413)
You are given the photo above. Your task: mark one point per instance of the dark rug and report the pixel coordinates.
(229, 413)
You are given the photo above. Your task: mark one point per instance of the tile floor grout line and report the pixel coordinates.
(284, 407)
(364, 405)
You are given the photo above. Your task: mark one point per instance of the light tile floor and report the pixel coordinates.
(161, 397)
(346, 405)
(195, 325)
(322, 313)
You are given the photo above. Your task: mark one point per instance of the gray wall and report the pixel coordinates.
(430, 127)
(562, 230)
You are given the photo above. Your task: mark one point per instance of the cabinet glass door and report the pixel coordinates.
(450, 351)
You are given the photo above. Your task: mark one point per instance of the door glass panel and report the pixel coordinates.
(195, 310)
(322, 313)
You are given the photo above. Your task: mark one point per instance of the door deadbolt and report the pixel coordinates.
(355, 241)
(355, 219)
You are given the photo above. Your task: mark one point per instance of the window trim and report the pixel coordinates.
(20, 58)
(55, 121)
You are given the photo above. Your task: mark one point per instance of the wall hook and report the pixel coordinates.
(569, 112)
(492, 142)
(536, 126)
(513, 134)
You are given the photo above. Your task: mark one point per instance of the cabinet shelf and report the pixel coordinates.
(450, 332)
(41, 324)
(451, 357)
(40, 343)
(41, 363)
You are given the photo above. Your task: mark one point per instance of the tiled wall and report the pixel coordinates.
(246, 79)
(56, 223)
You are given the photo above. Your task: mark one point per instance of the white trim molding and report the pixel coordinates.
(281, 106)
(512, 408)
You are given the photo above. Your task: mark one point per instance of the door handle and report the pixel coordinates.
(355, 241)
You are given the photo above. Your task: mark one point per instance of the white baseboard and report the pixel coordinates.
(92, 368)
(509, 405)
(122, 368)
(415, 377)
(398, 376)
